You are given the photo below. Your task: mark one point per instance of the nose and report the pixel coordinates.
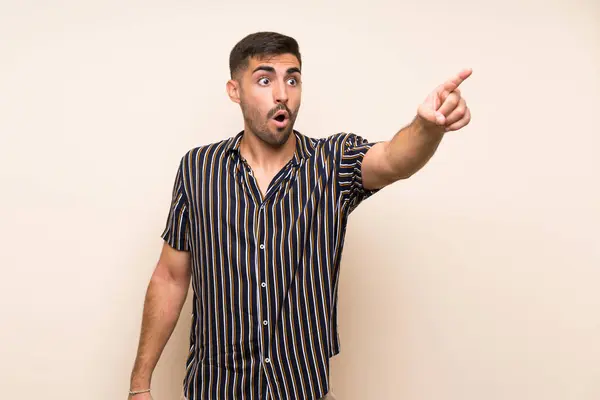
(280, 94)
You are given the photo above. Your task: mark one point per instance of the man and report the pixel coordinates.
(257, 223)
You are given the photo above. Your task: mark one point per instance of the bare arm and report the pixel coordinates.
(164, 300)
(411, 148)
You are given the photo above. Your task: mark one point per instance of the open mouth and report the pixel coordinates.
(281, 119)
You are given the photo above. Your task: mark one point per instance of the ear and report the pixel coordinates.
(233, 90)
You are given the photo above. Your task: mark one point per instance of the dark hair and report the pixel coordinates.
(261, 44)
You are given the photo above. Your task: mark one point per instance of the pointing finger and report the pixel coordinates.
(454, 82)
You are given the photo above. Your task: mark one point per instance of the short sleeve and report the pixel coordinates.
(176, 232)
(350, 151)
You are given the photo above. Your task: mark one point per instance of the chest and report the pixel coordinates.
(243, 202)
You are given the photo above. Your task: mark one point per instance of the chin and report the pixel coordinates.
(282, 136)
(277, 137)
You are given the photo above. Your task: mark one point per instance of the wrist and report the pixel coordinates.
(133, 393)
(138, 387)
(423, 126)
(141, 375)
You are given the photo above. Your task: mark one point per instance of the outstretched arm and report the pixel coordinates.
(411, 148)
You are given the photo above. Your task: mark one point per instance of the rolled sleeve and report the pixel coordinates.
(350, 151)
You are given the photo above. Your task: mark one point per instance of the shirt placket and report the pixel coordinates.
(263, 246)
(264, 294)
(264, 291)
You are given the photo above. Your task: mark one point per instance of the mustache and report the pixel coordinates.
(281, 107)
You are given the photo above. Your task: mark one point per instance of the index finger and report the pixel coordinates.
(454, 82)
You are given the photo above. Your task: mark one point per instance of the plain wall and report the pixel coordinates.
(478, 278)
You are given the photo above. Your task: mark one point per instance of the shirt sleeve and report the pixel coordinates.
(176, 232)
(350, 150)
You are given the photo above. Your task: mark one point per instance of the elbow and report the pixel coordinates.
(166, 275)
(403, 173)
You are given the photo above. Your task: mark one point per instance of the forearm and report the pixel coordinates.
(411, 148)
(162, 307)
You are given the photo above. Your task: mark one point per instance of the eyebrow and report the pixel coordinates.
(271, 69)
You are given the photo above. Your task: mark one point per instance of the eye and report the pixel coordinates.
(263, 81)
(293, 81)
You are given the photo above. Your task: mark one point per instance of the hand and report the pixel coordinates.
(444, 109)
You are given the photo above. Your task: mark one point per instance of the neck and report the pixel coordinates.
(263, 156)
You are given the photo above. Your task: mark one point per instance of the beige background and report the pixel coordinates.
(478, 278)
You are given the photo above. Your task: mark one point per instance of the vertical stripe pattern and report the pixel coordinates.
(265, 267)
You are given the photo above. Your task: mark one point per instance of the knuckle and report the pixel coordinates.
(455, 99)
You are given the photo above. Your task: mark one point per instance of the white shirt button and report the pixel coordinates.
(263, 284)
(265, 322)
(262, 246)
(267, 360)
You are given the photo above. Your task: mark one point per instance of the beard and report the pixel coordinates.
(259, 125)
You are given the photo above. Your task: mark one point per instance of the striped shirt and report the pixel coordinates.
(265, 268)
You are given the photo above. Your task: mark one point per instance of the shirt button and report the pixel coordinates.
(265, 322)
(262, 246)
(263, 284)
(267, 360)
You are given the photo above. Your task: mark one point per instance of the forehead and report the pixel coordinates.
(281, 62)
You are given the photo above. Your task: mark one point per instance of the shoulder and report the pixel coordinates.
(333, 146)
(207, 153)
(332, 139)
(340, 141)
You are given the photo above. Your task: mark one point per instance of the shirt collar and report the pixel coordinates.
(304, 146)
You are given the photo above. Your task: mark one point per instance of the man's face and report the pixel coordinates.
(269, 93)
